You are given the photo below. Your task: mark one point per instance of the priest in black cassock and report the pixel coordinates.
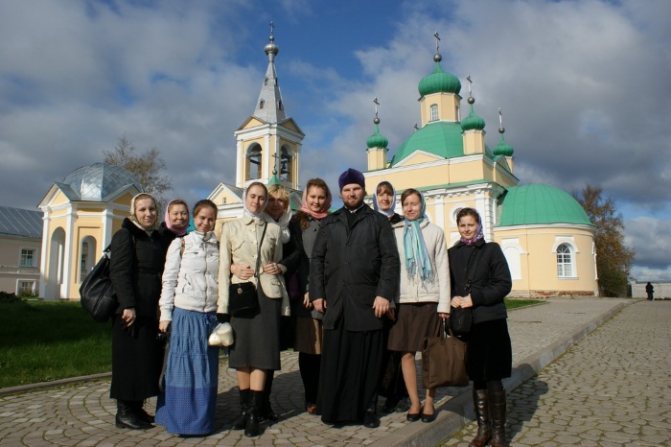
(354, 275)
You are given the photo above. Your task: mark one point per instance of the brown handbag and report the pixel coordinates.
(444, 360)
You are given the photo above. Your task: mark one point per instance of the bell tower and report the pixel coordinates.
(268, 140)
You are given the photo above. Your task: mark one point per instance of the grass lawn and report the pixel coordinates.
(516, 303)
(42, 341)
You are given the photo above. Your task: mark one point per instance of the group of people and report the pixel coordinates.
(355, 292)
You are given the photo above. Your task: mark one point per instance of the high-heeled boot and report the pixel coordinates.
(498, 412)
(252, 424)
(481, 407)
(245, 399)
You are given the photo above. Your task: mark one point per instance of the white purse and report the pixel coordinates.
(222, 335)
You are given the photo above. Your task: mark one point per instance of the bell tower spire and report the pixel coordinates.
(269, 106)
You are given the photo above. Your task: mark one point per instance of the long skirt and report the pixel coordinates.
(350, 373)
(489, 353)
(137, 357)
(257, 338)
(187, 405)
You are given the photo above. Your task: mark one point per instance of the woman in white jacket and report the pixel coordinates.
(424, 297)
(188, 307)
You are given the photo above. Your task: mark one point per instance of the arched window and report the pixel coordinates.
(565, 261)
(262, 103)
(434, 112)
(285, 164)
(253, 168)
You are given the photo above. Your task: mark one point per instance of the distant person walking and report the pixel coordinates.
(650, 290)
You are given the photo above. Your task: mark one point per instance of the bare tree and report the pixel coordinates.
(148, 167)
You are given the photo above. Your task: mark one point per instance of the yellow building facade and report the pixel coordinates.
(545, 234)
(81, 214)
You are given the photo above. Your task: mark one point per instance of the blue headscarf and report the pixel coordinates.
(417, 260)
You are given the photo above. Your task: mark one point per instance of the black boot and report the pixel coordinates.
(126, 417)
(267, 412)
(252, 424)
(370, 419)
(481, 407)
(140, 412)
(498, 412)
(245, 398)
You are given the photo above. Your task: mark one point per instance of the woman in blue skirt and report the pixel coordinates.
(188, 307)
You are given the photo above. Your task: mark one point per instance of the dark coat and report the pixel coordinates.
(136, 265)
(490, 278)
(167, 236)
(351, 265)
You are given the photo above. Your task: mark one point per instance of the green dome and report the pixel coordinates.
(540, 204)
(472, 121)
(440, 138)
(377, 139)
(438, 82)
(503, 148)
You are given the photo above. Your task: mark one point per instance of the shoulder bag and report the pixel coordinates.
(243, 299)
(444, 360)
(461, 318)
(97, 296)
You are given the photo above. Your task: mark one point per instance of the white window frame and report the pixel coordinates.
(33, 257)
(565, 261)
(433, 112)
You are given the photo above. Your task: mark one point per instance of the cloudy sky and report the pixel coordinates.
(585, 87)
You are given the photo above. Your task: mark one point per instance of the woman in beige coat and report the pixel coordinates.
(256, 348)
(424, 297)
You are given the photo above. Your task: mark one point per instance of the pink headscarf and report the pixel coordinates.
(316, 214)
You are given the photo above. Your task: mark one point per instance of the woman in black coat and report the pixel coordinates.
(136, 266)
(480, 280)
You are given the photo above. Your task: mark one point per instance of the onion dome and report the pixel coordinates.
(503, 148)
(472, 121)
(377, 139)
(439, 82)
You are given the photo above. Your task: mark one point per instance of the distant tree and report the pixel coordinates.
(148, 167)
(613, 258)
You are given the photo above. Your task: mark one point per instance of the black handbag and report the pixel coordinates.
(97, 296)
(461, 318)
(243, 298)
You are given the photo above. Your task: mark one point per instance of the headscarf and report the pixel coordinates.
(260, 214)
(168, 223)
(390, 212)
(136, 197)
(316, 214)
(478, 233)
(417, 260)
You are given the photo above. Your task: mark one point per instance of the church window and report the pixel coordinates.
(434, 112)
(262, 103)
(27, 258)
(253, 168)
(25, 288)
(565, 261)
(279, 105)
(86, 256)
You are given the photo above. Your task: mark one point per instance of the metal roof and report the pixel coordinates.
(20, 222)
(96, 182)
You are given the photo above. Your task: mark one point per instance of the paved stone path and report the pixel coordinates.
(611, 389)
(82, 414)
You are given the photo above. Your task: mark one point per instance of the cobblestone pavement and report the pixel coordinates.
(82, 414)
(611, 389)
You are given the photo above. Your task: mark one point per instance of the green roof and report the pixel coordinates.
(377, 139)
(472, 121)
(439, 81)
(439, 138)
(540, 204)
